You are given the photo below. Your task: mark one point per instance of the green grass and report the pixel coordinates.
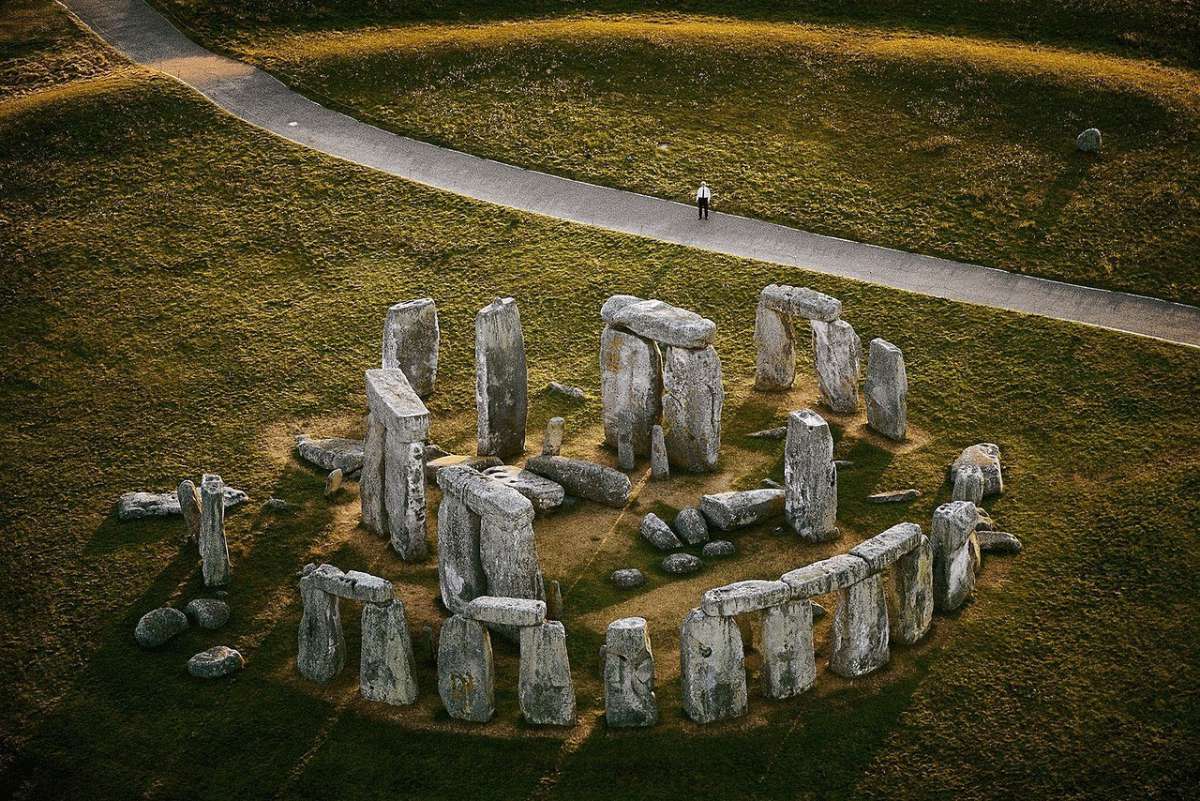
(180, 292)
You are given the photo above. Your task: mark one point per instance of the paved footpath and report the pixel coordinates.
(145, 36)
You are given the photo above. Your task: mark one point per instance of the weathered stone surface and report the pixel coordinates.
(775, 347)
(214, 551)
(985, 523)
(769, 433)
(395, 405)
(626, 459)
(718, 548)
(466, 673)
(630, 387)
(370, 483)
(629, 699)
(770, 483)
(953, 563)
(914, 594)
(987, 456)
(404, 496)
(138, 505)
(895, 496)
(387, 671)
(207, 613)
(1089, 141)
(188, 498)
(692, 402)
(882, 550)
(660, 465)
(627, 578)
(353, 585)
(998, 542)
(331, 453)
(476, 463)
(789, 662)
(333, 482)
(410, 343)
(322, 645)
(501, 380)
(860, 629)
(795, 301)
(712, 668)
(485, 496)
(825, 576)
(278, 506)
(506, 611)
(544, 494)
(460, 571)
(659, 321)
(743, 596)
(510, 561)
(726, 511)
(836, 354)
(658, 533)
(886, 390)
(843, 464)
(553, 438)
(680, 564)
(582, 479)
(691, 526)
(545, 691)
(215, 663)
(818, 611)
(566, 391)
(554, 601)
(809, 477)
(159, 625)
(968, 484)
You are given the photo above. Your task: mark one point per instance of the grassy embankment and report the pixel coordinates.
(181, 293)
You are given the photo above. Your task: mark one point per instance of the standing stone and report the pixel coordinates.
(626, 459)
(860, 629)
(887, 390)
(214, 551)
(775, 343)
(660, 466)
(410, 343)
(388, 671)
(986, 455)
(554, 601)
(404, 496)
(333, 482)
(392, 488)
(370, 482)
(553, 438)
(545, 691)
(630, 387)
(189, 505)
(953, 562)
(836, 353)
(322, 646)
(810, 478)
(466, 673)
(914, 594)
(789, 662)
(968, 484)
(509, 557)
(460, 572)
(712, 667)
(501, 381)
(692, 401)
(629, 698)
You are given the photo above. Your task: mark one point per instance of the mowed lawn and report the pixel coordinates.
(181, 293)
(946, 145)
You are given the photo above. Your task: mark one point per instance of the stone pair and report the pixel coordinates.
(203, 511)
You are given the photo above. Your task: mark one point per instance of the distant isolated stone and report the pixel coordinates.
(566, 391)
(214, 551)
(331, 453)
(836, 353)
(277, 506)
(726, 511)
(627, 578)
(1089, 141)
(680, 564)
(658, 533)
(895, 496)
(987, 456)
(718, 548)
(410, 343)
(691, 526)
(215, 663)
(712, 668)
(501, 380)
(886, 390)
(207, 613)
(159, 625)
(582, 479)
(998, 542)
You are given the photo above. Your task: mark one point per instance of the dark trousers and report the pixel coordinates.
(701, 208)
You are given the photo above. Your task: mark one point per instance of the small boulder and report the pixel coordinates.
(277, 506)
(895, 496)
(627, 578)
(215, 663)
(997, 542)
(1089, 141)
(691, 525)
(566, 391)
(333, 482)
(680, 564)
(655, 531)
(818, 610)
(718, 548)
(207, 613)
(159, 625)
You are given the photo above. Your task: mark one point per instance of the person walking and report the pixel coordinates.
(703, 196)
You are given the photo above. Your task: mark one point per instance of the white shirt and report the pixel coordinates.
(703, 192)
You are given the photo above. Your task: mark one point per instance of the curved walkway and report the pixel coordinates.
(146, 37)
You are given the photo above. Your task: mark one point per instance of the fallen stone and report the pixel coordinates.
(501, 380)
(659, 321)
(789, 662)
(743, 596)
(545, 691)
(506, 611)
(968, 484)
(998, 542)
(630, 387)
(691, 525)
(277, 506)
(987, 456)
(660, 466)
(629, 699)
(797, 301)
(544, 494)
(835, 573)
(214, 550)
(914, 594)
(566, 391)
(387, 670)
(726, 511)
(332, 453)
(836, 354)
(718, 548)
(1089, 141)
(860, 629)
(188, 497)
(895, 496)
(769, 433)
(410, 343)
(476, 463)
(627, 578)
(810, 478)
(886, 389)
(882, 550)
(658, 533)
(138, 505)
(215, 663)
(712, 668)
(333, 483)
(692, 401)
(466, 672)
(588, 480)
(553, 438)
(680, 564)
(770, 483)
(159, 625)
(207, 613)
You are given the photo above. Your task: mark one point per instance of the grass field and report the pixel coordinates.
(180, 293)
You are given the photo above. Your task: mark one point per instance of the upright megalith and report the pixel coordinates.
(860, 628)
(789, 661)
(886, 389)
(410, 343)
(774, 331)
(545, 691)
(810, 478)
(387, 671)
(968, 484)
(953, 562)
(660, 467)
(214, 550)
(712, 667)
(692, 401)
(321, 652)
(629, 699)
(466, 673)
(188, 495)
(836, 355)
(552, 440)
(914, 594)
(501, 380)
(630, 387)
(460, 571)
(392, 489)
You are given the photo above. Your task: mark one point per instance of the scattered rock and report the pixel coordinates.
(215, 663)
(895, 496)
(554, 601)
(159, 625)
(627, 578)
(986, 523)
(655, 531)
(718, 548)
(997, 542)
(333, 483)
(434, 452)
(691, 526)
(333, 453)
(207, 613)
(566, 390)
(680, 564)
(769, 433)
(1089, 141)
(553, 438)
(138, 505)
(278, 506)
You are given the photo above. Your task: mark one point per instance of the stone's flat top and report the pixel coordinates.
(484, 496)
(743, 596)
(506, 611)
(801, 302)
(895, 496)
(331, 453)
(835, 573)
(411, 305)
(879, 343)
(807, 418)
(885, 548)
(543, 493)
(497, 306)
(355, 585)
(662, 322)
(953, 523)
(392, 399)
(371, 587)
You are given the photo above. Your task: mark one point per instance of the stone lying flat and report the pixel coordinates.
(691, 526)
(588, 480)
(769, 433)
(331, 453)
(718, 548)
(659, 321)
(477, 463)
(394, 404)
(506, 611)
(484, 496)
(997, 542)
(658, 533)
(159, 625)
(627, 578)
(138, 505)
(354, 585)
(743, 596)
(796, 301)
(1089, 141)
(544, 494)
(987, 456)
(825, 576)
(895, 496)
(410, 343)
(566, 391)
(884, 549)
(215, 663)
(680, 564)
(207, 613)
(278, 506)
(726, 511)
